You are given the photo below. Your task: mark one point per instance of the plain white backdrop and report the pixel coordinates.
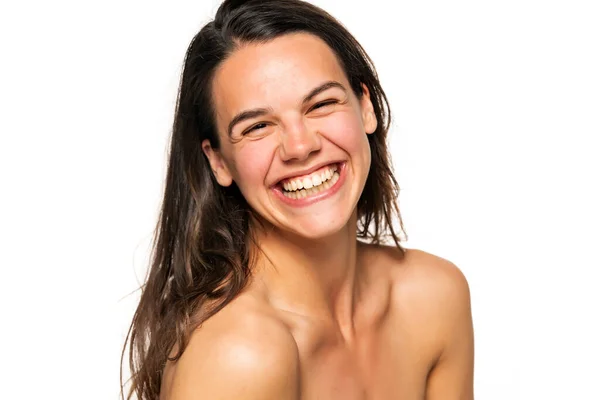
(496, 108)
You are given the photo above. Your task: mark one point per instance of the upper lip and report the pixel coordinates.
(307, 171)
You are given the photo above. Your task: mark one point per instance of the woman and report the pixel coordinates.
(259, 287)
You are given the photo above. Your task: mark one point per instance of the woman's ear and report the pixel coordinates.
(368, 115)
(217, 164)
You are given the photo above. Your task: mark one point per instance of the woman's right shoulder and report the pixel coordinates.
(244, 351)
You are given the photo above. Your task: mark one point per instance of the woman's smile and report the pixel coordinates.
(303, 190)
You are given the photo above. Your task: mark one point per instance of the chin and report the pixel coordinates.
(315, 228)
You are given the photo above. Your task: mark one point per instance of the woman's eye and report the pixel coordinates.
(324, 103)
(256, 127)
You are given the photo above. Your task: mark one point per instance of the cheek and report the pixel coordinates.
(251, 165)
(346, 131)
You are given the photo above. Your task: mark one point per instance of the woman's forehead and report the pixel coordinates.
(280, 71)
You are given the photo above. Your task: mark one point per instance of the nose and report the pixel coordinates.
(298, 142)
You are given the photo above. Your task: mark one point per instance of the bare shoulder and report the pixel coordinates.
(419, 274)
(429, 294)
(431, 299)
(242, 352)
(440, 278)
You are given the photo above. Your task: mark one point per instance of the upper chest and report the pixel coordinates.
(390, 359)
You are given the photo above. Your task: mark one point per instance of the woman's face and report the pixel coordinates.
(293, 134)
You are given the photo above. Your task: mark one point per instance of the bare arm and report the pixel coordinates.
(452, 376)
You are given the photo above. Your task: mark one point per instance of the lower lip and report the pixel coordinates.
(315, 197)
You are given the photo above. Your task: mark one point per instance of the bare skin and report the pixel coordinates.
(324, 316)
(412, 339)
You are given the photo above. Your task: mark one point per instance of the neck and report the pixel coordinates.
(315, 278)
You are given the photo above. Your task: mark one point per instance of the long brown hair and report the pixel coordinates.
(201, 252)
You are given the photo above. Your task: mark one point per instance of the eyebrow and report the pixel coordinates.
(257, 112)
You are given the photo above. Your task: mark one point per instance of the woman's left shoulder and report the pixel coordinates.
(430, 297)
(414, 271)
(428, 292)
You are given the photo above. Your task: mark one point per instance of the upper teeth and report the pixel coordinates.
(314, 179)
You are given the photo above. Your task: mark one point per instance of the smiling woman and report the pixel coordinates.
(270, 278)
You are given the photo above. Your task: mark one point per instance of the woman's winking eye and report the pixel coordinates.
(323, 103)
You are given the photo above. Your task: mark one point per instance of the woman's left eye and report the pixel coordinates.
(256, 127)
(324, 103)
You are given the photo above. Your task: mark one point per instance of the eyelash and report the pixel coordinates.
(324, 103)
(318, 105)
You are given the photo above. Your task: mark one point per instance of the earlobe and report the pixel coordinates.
(217, 164)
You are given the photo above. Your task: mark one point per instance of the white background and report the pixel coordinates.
(496, 111)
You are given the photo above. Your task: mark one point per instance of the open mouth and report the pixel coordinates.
(312, 184)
